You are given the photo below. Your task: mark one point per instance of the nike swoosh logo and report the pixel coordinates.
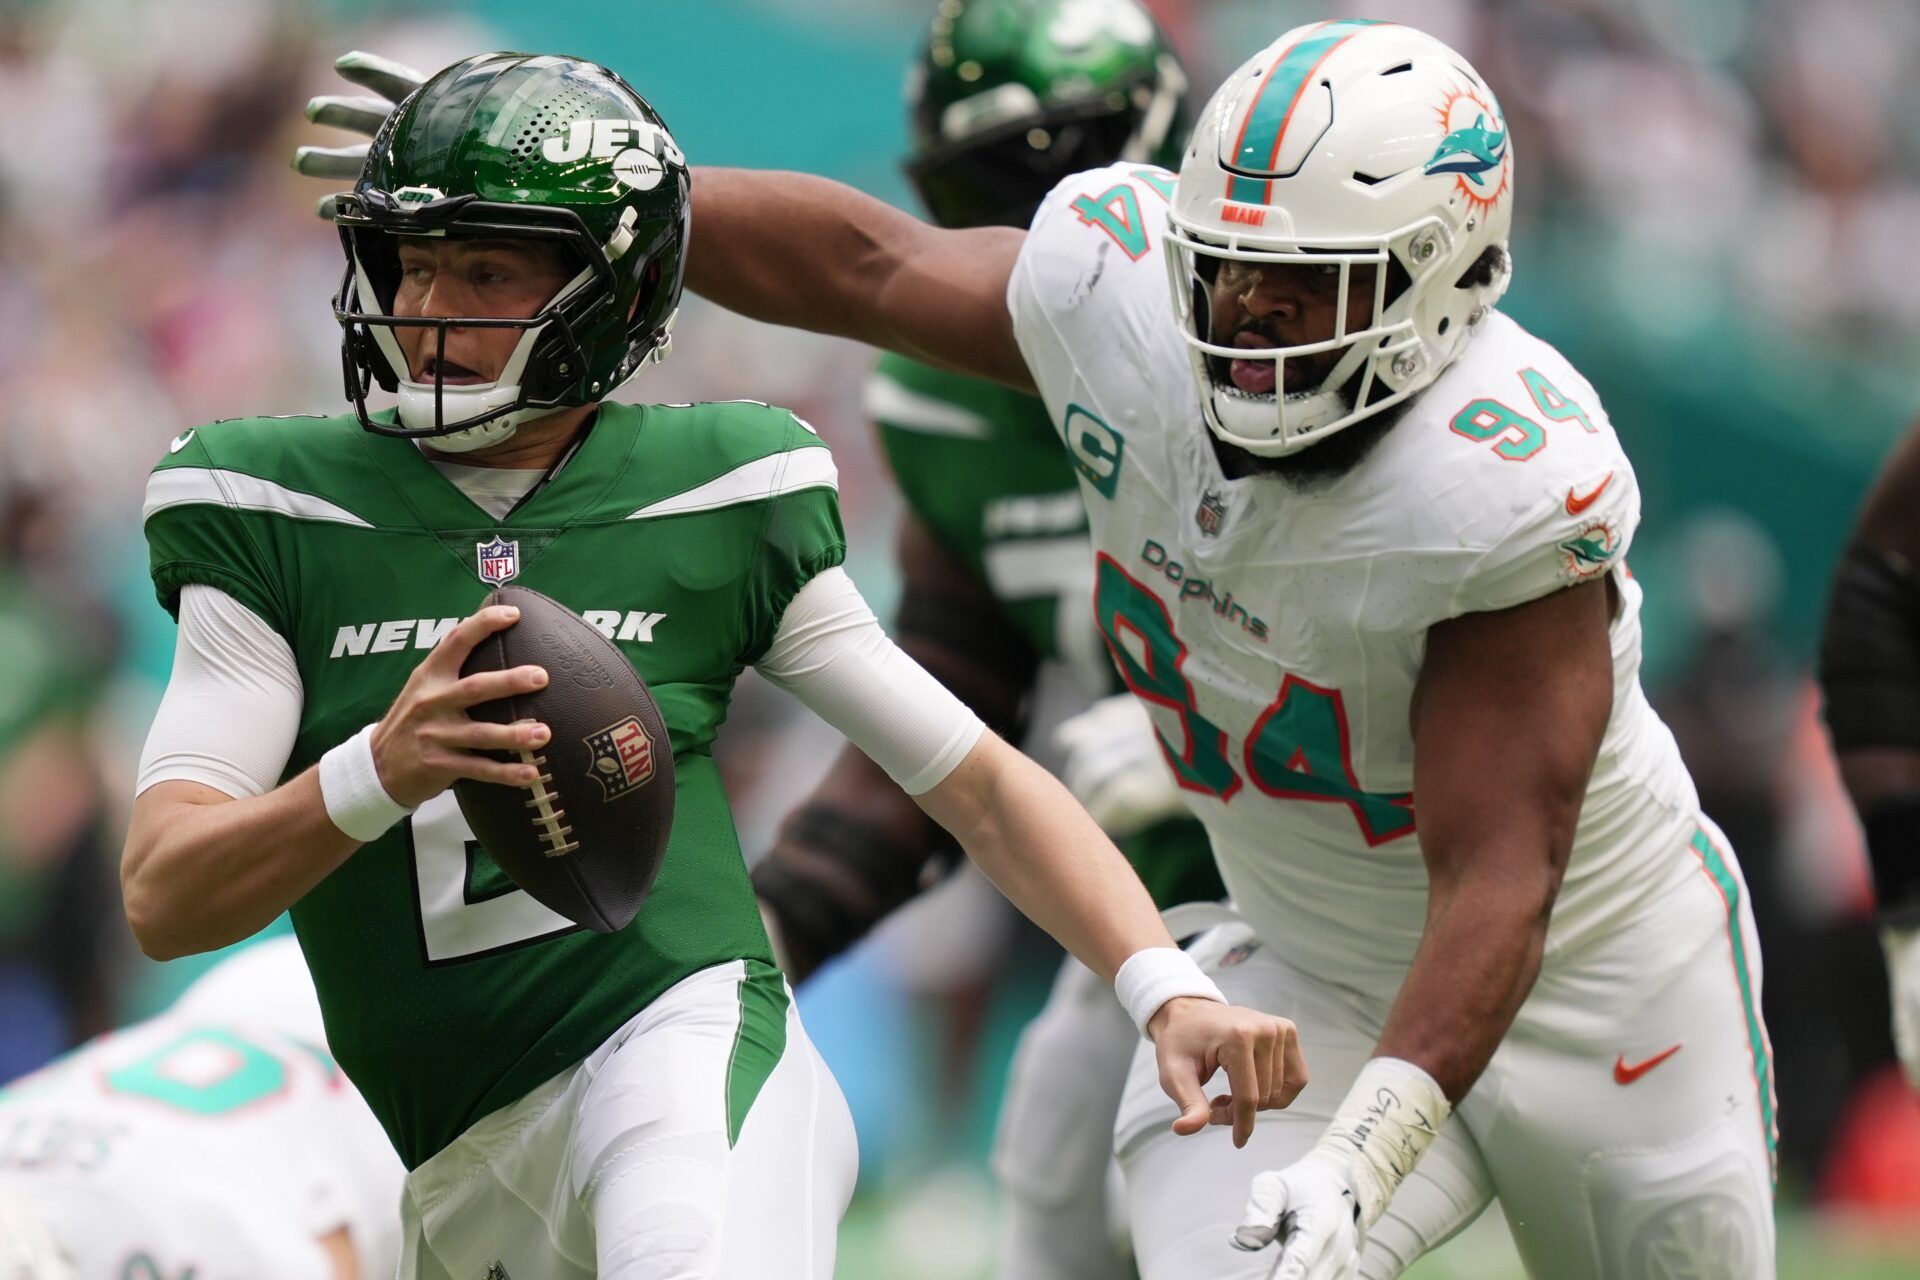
(179, 442)
(1624, 1074)
(1577, 503)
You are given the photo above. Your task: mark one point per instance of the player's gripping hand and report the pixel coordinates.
(1193, 1038)
(1311, 1208)
(1902, 946)
(390, 80)
(1113, 764)
(426, 741)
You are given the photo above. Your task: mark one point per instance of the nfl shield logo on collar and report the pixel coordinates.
(1213, 510)
(499, 561)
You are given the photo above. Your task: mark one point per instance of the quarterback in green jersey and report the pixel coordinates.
(568, 1103)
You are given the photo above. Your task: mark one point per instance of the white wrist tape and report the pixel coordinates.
(1154, 975)
(1388, 1120)
(350, 786)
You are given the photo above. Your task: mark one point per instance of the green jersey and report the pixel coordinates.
(682, 532)
(981, 466)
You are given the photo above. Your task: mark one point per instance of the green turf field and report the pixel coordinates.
(941, 1229)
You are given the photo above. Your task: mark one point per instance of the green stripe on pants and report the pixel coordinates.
(758, 1042)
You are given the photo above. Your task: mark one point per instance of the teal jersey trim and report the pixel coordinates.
(1724, 880)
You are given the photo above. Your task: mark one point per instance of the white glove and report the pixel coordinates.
(1311, 1208)
(1114, 766)
(1902, 947)
(1320, 1207)
(387, 78)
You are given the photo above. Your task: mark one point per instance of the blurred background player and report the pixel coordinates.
(218, 1140)
(1006, 98)
(1870, 670)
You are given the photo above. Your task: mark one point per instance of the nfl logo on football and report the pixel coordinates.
(622, 757)
(499, 561)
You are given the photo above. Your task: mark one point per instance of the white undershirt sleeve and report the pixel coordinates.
(831, 653)
(232, 705)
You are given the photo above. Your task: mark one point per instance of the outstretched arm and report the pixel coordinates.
(1498, 784)
(859, 846)
(787, 248)
(796, 250)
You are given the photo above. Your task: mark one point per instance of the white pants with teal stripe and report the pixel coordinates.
(1615, 1155)
(705, 1140)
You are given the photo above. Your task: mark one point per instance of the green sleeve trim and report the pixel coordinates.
(758, 1041)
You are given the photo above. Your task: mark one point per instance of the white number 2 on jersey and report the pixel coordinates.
(454, 925)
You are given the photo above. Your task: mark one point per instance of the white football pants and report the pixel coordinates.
(1626, 1122)
(1053, 1154)
(706, 1140)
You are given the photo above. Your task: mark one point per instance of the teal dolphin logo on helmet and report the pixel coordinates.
(1471, 151)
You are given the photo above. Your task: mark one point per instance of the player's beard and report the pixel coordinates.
(1317, 466)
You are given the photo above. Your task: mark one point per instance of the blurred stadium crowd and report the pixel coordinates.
(1718, 206)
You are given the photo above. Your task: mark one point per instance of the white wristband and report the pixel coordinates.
(1389, 1118)
(350, 786)
(1154, 975)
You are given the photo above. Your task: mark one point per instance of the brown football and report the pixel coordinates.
(587, 840)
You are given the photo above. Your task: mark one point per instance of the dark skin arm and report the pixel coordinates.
(857, 794)
(1498, 782)
(796, 250)
(1889, 522)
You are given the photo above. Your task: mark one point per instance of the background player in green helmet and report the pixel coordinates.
(568, 1103)
(1007, 98)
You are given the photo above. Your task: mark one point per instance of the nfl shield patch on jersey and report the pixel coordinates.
(499, 561)
(1211, 512)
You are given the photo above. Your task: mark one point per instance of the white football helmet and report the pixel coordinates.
(1343, 144)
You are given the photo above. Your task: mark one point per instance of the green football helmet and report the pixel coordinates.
(1010, 96)
(511, 145)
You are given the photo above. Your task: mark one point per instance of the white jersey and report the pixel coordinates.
(1277, 635)
(215, 1140)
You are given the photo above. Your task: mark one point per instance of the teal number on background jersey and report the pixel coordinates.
(207, 1072)
(1299, 749)
(1118, 601)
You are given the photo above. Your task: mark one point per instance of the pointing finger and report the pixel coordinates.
(1243, 1077)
